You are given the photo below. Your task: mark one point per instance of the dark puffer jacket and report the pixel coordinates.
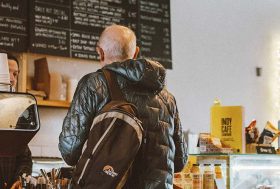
(142, 83)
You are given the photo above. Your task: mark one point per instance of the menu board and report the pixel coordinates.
(88, 19)
(71, 28)
(49, 27)
(154, 30)
(13, 25)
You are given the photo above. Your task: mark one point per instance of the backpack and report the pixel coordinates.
(114, 139)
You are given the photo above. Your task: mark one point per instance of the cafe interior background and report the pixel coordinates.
(226, 50)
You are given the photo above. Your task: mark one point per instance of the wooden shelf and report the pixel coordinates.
(53, 103)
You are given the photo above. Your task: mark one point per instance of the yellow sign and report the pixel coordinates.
(227, 125)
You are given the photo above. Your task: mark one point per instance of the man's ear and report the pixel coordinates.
(136, 52)
(100, 53)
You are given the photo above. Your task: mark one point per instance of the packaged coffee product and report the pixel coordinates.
(252, 133)
(269, 134)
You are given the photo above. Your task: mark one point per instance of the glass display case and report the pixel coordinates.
(254, 171)
(246, 171)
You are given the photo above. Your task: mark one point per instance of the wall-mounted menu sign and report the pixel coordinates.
(154, 30)
(49, 27)
(13, 25)
(71, 28)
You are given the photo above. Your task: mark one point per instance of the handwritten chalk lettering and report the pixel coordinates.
(166, 40)
(147, 29)
(57, 47)
(151, 10)
(92, 56)
(75, 40)
(92, 16)
(166, 52)
(11, 24)
(39, 45)
(18, 27)
(81, 55)
(50, 33)
(80, 4)
(85, 55)
(8, 39)
(94, 37)
(146, 37)
(88, 48)
(46, 20)
(76, 47)
(80, 15)
(151, 19)
(4, 25)
(59, 12)
(39, 9)
(150, 4)
(9, 6)
(6, 44)
(146, 49)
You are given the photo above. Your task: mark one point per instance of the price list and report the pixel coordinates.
(71, 28)
(49, 27)
(13, 25)
(88, 19)
(154, 30)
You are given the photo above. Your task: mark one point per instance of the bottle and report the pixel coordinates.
(218, 172)
(196, 176)
(208, 177)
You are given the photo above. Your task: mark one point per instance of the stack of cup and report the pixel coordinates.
(4, 73)
(71, 87)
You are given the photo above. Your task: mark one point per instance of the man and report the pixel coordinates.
(11, 167)
(142, 83)
(14, 71)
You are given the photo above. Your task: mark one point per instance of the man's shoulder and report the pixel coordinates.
(93, 77)
(167, 95)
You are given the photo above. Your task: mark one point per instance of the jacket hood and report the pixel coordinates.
(144, 74)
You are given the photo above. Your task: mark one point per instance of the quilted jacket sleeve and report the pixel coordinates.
(181, 146)
(78, 120)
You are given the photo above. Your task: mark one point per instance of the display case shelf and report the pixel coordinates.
(246, 171)
(53, 103)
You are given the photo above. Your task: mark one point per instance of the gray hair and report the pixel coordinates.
(118, 42)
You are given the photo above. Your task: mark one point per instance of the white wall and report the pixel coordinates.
(216, 44)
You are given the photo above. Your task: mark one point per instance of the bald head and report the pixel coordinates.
(118, 43)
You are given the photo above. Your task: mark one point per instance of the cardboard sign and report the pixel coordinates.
(226, 124)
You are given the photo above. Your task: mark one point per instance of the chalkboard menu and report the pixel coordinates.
(71, 28)
(154, 30)
(49, 27)
(13, 25)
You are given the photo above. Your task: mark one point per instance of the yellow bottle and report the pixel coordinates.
(196, 176)
(208, 177)
(218, 171)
